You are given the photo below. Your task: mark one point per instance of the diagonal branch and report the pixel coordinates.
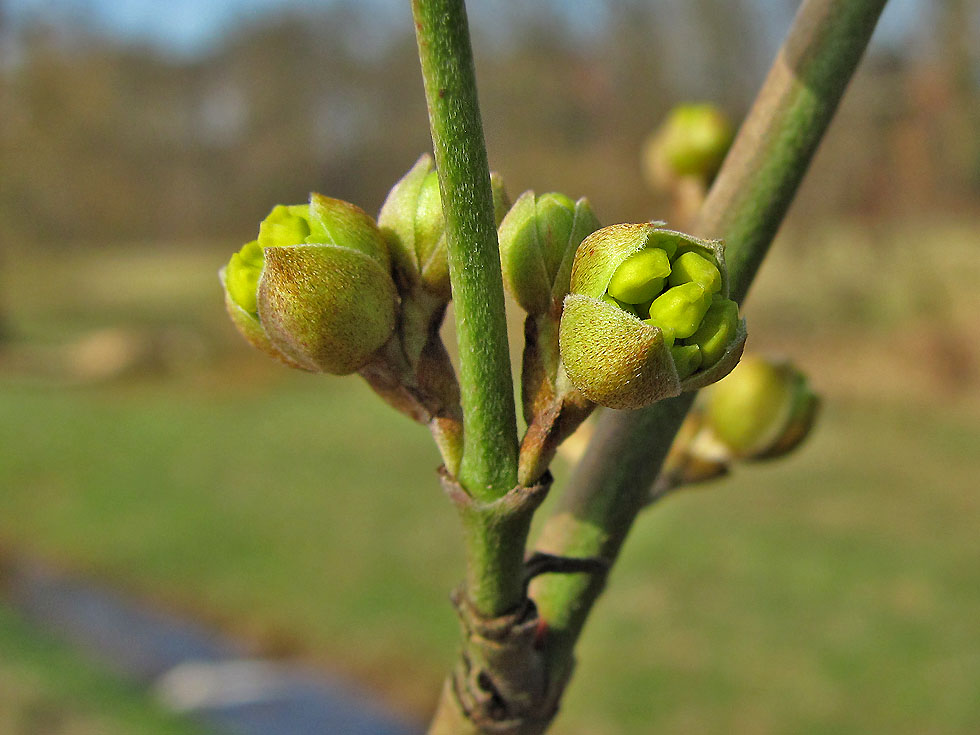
(745, 207)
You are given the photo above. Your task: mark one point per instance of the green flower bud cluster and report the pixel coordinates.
(648, 316)
(414, 227)
(680, 295)
(314, 289)
(764, 409)
(538, 238)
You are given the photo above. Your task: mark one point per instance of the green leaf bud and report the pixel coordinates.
(538, 238)
(692, 268)
(763, 409)
(323, 298)
(640, 277)
(612, 356)
(717, 329)
(691, 142)
(414, 227)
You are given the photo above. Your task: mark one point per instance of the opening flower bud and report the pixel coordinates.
(627, 336)
(538, 238)
(314, 290)
(414, 228)
(763, 409)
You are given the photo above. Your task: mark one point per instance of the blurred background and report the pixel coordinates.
(144, 446)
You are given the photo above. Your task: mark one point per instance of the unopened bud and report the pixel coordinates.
(763, 409)
(640, 278)
(692, 268)
(414, 227)
(691, 142)
(538, 238)
(681, 309)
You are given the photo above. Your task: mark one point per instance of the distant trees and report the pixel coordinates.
(105, 141)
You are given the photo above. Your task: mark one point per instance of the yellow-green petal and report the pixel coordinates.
(690, 267)
(681, 308)
(716, 331)
(640, 277)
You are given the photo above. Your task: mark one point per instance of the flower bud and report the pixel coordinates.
(314, 290)
(691, 142)
(625, 344)
(412, 223)
(538, 238)
(763, 409)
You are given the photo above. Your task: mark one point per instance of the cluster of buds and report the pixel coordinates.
(648, 316)
(324, 288)
(314, 290)
(621, 316)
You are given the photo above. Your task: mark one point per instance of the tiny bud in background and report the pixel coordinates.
(538, 238)
(691, 142)
(314, 290)
(413, 225)
(764, 409)
(635, 327)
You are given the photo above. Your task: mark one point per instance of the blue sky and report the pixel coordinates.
(191, 26)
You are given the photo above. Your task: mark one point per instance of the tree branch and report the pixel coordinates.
(744, 207)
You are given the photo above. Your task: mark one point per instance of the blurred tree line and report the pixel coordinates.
(102, 140)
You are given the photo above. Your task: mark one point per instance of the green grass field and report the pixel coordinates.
(834, 592)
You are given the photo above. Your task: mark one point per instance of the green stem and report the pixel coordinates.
(489, 464)
(745, 207)
(488, 467)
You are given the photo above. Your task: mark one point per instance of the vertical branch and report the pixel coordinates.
(745, 207)
(489, 463)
